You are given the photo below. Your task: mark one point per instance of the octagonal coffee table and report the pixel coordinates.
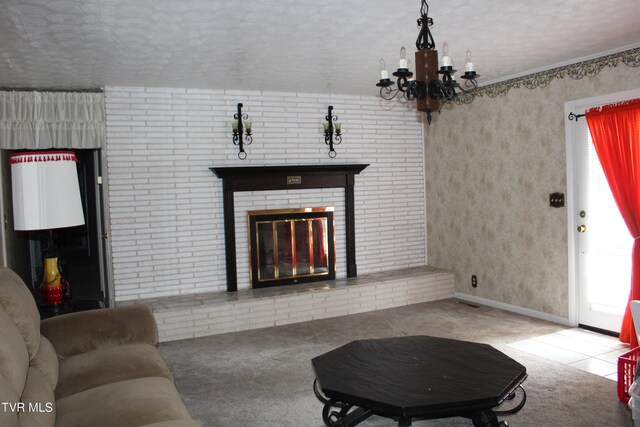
(417, 377)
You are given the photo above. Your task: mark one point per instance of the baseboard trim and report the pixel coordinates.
(513, 308)
(600, 330)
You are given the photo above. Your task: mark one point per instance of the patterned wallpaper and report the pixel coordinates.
(490, 166)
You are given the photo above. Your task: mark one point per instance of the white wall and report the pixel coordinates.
(166, 205)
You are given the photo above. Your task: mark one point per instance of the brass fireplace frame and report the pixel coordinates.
(274, 217)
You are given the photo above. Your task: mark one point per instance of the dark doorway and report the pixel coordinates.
(80, 249)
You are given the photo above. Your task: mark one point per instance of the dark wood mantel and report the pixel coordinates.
(286, 178)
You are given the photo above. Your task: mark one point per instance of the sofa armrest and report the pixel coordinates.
(84, 331)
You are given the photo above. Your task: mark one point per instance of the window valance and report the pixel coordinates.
(42, 120)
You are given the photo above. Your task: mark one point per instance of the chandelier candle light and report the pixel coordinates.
(332, 132)
(241, 132)
(427, 89)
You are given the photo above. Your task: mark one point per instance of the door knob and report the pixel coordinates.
(582, 228)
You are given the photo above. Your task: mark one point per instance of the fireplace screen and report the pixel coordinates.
(291, 246)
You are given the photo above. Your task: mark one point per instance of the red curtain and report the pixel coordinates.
(615, 130)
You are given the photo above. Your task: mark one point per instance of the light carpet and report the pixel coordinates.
(264, 377)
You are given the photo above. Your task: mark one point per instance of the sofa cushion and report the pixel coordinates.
(46, 361)
(130, 403)
(39, 401)
(109, 365)
(14, 357)
(18, 303)
(84, 331)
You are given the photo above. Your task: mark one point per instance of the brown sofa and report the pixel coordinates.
(97, 368)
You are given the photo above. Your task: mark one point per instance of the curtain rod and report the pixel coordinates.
(18, 89)
(575, 117)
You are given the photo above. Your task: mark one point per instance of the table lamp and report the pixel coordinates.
(46, 196)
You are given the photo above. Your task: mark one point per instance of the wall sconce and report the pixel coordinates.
(332, 132)
(241, 132)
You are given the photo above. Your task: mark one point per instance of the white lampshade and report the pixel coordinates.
(46, 193)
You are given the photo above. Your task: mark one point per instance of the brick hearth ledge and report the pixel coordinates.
(196, 315)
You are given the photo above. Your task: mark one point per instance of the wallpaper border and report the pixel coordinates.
(591, 67)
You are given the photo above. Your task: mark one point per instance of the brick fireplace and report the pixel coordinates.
(302, 177)
(167, 207)
(167, 233)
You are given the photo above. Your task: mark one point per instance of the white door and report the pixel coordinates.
(603, 242)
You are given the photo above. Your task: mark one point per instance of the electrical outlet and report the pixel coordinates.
(474, 281)
(556, 200)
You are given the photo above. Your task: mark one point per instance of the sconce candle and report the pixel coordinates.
(241, 132)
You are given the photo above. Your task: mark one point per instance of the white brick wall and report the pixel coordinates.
(166, 205)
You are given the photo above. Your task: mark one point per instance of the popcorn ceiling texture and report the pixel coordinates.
(490, 167)
(288, 45)
(167, 232)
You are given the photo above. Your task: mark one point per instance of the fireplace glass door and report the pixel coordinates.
(291, 246)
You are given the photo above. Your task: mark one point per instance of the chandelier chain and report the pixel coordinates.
(425, 38)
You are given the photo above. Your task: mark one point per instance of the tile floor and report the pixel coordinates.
(582, 349)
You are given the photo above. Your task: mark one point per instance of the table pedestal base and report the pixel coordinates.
(339, 414)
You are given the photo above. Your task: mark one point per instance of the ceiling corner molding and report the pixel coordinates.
(577, 71)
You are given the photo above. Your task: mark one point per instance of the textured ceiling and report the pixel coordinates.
(325, 46)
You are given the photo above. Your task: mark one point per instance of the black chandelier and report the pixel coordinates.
(427, 88)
